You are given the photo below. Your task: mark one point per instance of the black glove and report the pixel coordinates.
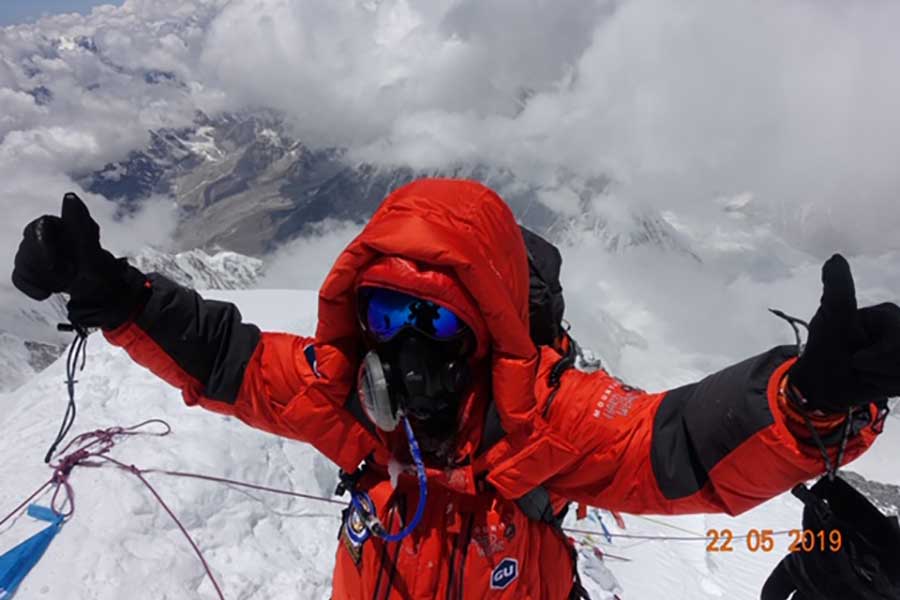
(852, 356)
(64, 255)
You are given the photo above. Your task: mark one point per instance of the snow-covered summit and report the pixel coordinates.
(121, 544)
(200, 270)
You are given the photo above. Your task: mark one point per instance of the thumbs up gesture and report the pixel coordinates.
(852, 356)
(63, 254)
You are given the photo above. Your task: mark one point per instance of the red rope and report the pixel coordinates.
(90, 449)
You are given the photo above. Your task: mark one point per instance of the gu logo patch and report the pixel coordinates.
(504, 573)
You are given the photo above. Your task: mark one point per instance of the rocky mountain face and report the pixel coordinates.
(243, 183)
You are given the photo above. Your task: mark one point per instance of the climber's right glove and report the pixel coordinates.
(852, 356)
(64, 255)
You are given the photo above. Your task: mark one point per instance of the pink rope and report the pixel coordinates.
(86, 449)
(90, 449)
(252, 486)
(87, 445)
(139, 475)
(25, 503)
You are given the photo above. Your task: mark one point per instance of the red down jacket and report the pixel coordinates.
(720, 445)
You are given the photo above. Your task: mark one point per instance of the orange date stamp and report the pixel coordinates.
(763, 540)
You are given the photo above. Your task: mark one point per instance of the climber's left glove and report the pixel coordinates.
(852, 356)
(63, 254)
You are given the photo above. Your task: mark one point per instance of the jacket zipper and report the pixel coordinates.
(465, 553)
(384, 556)
(464, 539)
(390, 586)
(452, 569)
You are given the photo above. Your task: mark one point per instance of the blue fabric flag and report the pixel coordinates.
(15, 564)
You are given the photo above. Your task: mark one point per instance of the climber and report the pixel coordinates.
(425, 355)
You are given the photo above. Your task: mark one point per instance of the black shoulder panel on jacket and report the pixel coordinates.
(698, 425)
(206, 338)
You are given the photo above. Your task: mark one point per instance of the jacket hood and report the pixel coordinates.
(454, 242)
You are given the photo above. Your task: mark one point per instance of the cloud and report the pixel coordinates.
(73, 97)
(792, 103)
(348, 71)
(28, 195)
(304, 262)
(766, 132)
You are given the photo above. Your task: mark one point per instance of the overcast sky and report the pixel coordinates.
(789, 107)
(17, 11)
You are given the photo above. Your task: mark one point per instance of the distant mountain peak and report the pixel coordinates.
(199, 270)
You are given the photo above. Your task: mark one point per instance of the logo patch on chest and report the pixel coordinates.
(354, 534)
(504, 573)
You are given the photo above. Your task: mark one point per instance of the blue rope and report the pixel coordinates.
(364, 506)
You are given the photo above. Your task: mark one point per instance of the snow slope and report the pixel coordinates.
(120, 544)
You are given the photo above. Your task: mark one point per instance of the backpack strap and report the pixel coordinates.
(562, 365)
(537, 506)
(493, 431)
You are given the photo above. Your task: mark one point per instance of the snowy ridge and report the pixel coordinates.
(14, 367)
(120, 542)
(199, 270)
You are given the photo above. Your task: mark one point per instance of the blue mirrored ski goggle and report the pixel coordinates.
(385, 313)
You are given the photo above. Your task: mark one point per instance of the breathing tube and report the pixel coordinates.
(363, 505)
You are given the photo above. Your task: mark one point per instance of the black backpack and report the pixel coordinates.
(546, 308)
(546, 303)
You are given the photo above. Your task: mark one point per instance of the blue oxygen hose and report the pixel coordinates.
(364, 506)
